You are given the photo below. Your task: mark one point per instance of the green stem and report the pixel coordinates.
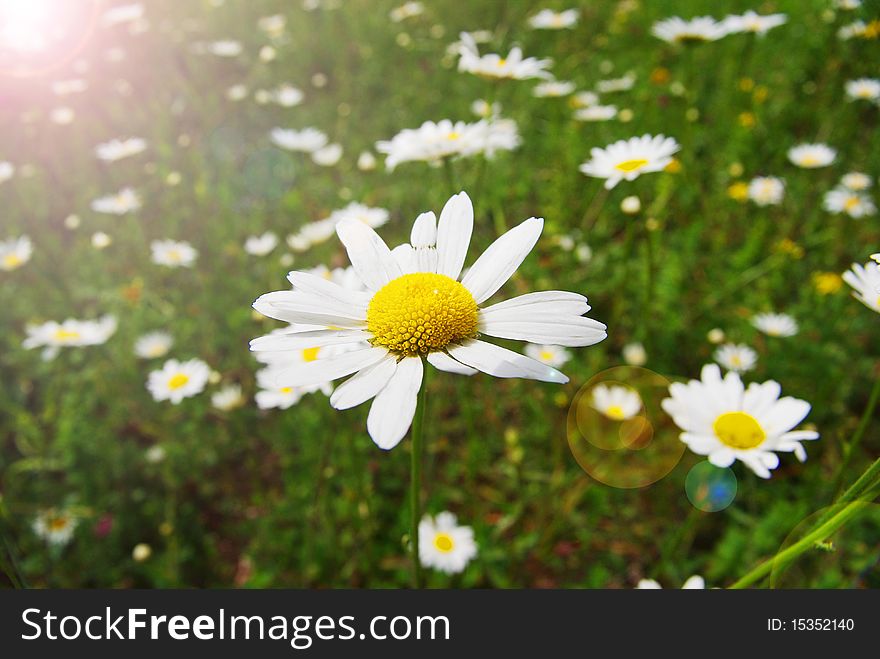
(415, 484)
(859, 433)
(450, 176)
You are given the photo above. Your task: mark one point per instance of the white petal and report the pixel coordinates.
(406, 258)
(364, 384)
(723, 457)
(310, 339)
(392, 411)
(319, 371)
(501, 259)
(309, 283)
(369, 255)
(424, 231)
(539, 303)
(558, 330)
(296, 307)
(443, 362)
(504, 363)
(454, 235)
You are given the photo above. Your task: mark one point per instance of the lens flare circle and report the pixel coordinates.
(710, 488)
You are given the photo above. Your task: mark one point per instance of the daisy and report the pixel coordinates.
(775, 324)
(512, 67)
(307, 140)
(228, 398)
(867, 89)
(7, 170)
(634, 354)
(327, 156)
(371, 216)
(15, 252)
(124, 201)
(855, 29)
(631, 205)
(117, 149)
(847, 4)
(596, 113)
(444, 545)
(854, 204)
(173, 253)
(101, 240)
(616, 84)
(366, 161)
(725, 421)
(286, 95)
(414, 306)
(811, 156)
(70, 333)
(553, 89)
(617, 402)
(261, 245)
(554, 356)
(865, 282)
(153, 345)
(736, 357)
(224, 48)
(273, 25)
(856, 181)
(177, 380)
(237, 92)
(585, 99)
(766, 190)
(547, 19)
(876, 257)
(627, 159)
(695, 582)
(311, 233)
(270, 396)
(406, 10)
(752, 22)
(55, 526)
(677, 30)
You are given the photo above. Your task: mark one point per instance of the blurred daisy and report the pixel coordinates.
(622, 84)
(856, 181)
(514, 66)
(177, 380)
(62, 116)
(585, 99)
(117, 149)
(554, 356)
(752, 22)
(237, 92)
(766, 190)
(270, 396)
(307, 140)
(854, 204)
(775, 324)
(631, 205)
(725, 421)
(127, 200)
(736, 357)
(547, 19)
(15, 252)
(55, 526)
(695, 582)
(273, 25)
(596, 113)
(366, 161)
(153, 345)
(327, 156)
(617, 402)
(865, 282)
(260, 245)
(406, 10)
(371, 216)
(444, 545)
(634, 354)
(173, 253)
(224, 48)
(852, 30)
(70, 333)
(7, 170)
(847, 4)
(482, 108)
(286, 95)
(101, 240)
(867, 89)
(415, 306)
(677, 30)
(553, 88)
(228, 398)
(811, 156)
(627, 159)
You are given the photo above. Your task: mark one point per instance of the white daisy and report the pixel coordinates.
(694, 582)
(117, 149)
(7, 170)
(811, 156)
(406, 10)
(596, 113)
(627, 159)
(622, 84)
(224, 48)
(327, 156)
(261, 245)
(271, 396)
(678, 30)
(865, 282)
(775, 324)
(228, 398)
(286, 95)
(854, 204)
(55, 526)
(847, 4)
(492, 65)
(311, 233)
(444, 545)
(547, 19)
(725, 421)
(153, 345)
(273, 25)
(15, 252)
(856, 181)
(752, 22)
(177, 380)
(173, 253)
(736, 357)
(554, 356)
(852, 30)
(867, 89)
(585, 99)
(125, 201)
(553, 89)
(371, 216)
(366, 161)
(237, 92)
(634, 354)
(415, 306)
(69, 333)
(307, 140)
(766, 190)
(617, 402)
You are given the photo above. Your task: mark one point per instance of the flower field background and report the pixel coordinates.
(207, 495)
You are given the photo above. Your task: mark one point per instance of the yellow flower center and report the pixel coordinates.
(739, 430)
(57, 523)
(851, 203)
(444, 542)
(454, 135)
(546, 355)
(177, 381)
(11, 261)
(615, 412)
(809, 161)
(421, 313)
(286, 390)
(66, 335)
(501, 62)
(310, 354)
(631, 165)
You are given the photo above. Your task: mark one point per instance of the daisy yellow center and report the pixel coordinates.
(57, 524)
(443, 542)
(851, 203)
(809, 161)
(286, 390)
(631, 165)
(173, 255)
(177, 381)
(421, 313)
(502, 62)
(12, 261)
(615, 412)
(310, 354)
(66, 335)
(739, 430)
(546, 355)
(454, 135)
